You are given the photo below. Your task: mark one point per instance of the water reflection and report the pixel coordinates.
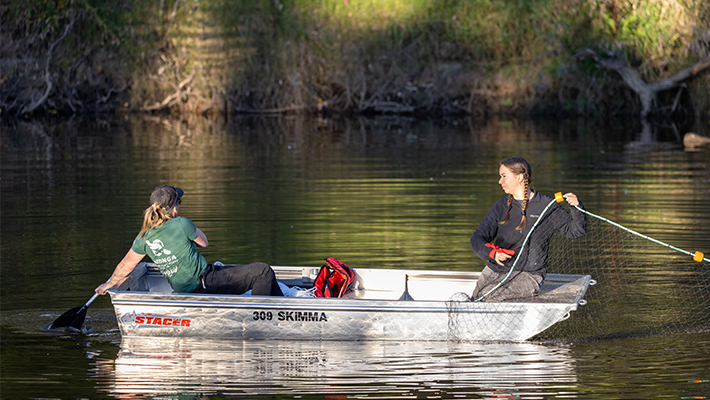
(145, 368)
(383, 192)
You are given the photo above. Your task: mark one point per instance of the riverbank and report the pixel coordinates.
(419, 58)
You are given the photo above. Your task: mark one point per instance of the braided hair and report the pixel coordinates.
(153, 216)
(518, 165)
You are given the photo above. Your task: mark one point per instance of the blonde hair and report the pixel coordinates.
(519, 165)
(153, 216)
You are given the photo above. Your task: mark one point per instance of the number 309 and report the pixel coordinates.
(263, 315)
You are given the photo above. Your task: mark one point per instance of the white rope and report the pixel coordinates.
(519, 253)
(697, 256)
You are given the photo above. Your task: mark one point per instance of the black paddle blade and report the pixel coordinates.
(74, 318)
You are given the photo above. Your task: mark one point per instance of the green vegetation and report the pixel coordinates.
(435, 56)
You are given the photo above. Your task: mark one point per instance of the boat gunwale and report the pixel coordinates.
(382, 309)
(171, 299)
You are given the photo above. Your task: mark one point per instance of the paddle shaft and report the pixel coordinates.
(91, 300)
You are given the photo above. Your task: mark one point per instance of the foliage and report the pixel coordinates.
(280, 53)
(484, 34)
(656, 32)
(129, 28)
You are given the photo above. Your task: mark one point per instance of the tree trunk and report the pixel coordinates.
(632, 78)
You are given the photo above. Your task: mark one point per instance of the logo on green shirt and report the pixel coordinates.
(158, 248)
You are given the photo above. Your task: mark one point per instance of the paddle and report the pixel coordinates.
(74, 317)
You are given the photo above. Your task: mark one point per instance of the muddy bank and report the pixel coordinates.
(222, 58)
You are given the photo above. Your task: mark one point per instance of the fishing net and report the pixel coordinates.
(642, 287)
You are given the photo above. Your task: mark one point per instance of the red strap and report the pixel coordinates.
(497, 249)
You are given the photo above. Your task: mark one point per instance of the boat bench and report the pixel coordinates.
(373, 284)
(146, 277)
(411, 284)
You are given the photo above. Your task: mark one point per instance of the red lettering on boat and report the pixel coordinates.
(144, 319)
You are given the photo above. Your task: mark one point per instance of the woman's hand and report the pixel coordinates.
(103, 288)
(501, 258)
(572, 199)
(499, 254)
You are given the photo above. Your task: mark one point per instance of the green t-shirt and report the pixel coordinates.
(172, 248)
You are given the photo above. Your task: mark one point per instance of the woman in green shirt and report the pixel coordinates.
(172, 242)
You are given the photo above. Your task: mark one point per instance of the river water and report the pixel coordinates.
(374, 193)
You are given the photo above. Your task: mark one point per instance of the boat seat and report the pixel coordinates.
(440, 287)
(377, 284)
(410, 285)
(158, 283)
(146, 277)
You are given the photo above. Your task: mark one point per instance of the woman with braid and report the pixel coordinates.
(172, 242)
(508, 222)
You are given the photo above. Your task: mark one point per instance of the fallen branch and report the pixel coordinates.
(632, 78)
(168, 101)
(692, 140)
(48, 76)
(211, 104)
(112, 90)
(187, 81)
(374, 96)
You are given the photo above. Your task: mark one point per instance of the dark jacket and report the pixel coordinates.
(534, 258)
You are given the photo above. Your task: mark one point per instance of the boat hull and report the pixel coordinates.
(161, 314)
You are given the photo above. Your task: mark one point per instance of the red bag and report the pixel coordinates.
(334, 279)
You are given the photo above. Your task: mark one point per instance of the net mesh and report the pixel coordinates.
(642, 288)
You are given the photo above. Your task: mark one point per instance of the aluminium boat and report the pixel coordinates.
(382, 304)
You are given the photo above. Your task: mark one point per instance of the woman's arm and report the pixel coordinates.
(576, 225)
(129, 262)
(201, 239)
(485, 233)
